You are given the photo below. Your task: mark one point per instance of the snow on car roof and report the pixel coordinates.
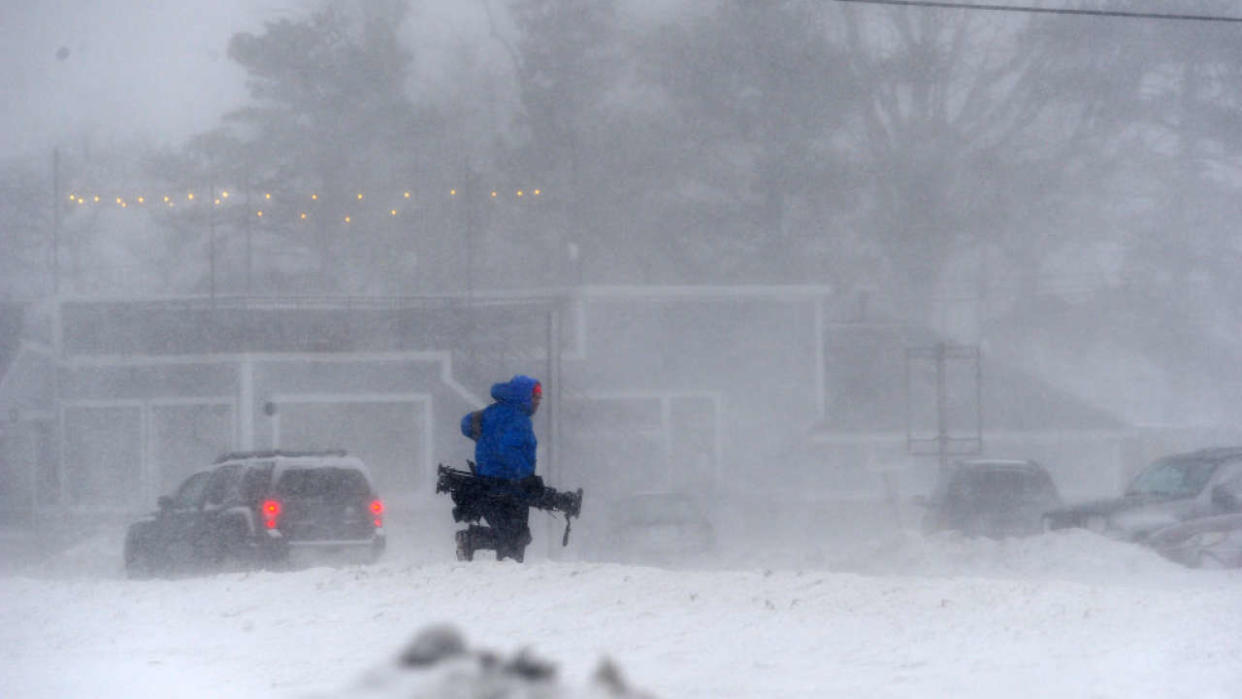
(285, 460)
(998, 463)
(274, 453)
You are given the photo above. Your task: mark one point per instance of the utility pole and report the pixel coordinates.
(553, 372)
(942, 406)
(471, 229)
(55, 252)
(553, 395)
(945, 443)
(246, 225)
(211, 241)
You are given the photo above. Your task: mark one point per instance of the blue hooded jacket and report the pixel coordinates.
(504, 437)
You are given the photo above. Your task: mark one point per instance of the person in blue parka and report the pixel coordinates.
(504, 453)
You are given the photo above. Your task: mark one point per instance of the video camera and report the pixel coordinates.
(470, 490)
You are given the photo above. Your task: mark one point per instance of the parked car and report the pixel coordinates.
(991, 497)
(1171, 490)
(658, 527)
(261, 509)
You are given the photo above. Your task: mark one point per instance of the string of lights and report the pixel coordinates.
(304, 207)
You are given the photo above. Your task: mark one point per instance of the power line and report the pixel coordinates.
(1048, 10)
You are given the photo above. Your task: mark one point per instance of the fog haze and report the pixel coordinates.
(731, 236)
(117, 72)
(778, 267)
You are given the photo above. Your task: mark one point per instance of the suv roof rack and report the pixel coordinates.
(272, 453)
(1001, 463)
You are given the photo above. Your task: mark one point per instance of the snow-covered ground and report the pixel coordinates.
(1067, 614)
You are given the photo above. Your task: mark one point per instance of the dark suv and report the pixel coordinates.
(261, 508)
(991, 497)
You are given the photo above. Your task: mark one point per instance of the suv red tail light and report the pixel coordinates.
(377, 509)
(270, 511)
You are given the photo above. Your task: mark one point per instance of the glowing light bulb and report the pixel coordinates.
(359, 196)
(267, 196)
(536, 192)
(393, 212)
(303, 216)
(315, 197)
(142, 200)
(493, 195)
(452, 192)
(259, 213)
(190, 196)
(520, 193)
(406, 195)
(96, 198)
(224, 194)
(348, 219)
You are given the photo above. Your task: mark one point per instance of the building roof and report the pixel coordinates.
(874, 385)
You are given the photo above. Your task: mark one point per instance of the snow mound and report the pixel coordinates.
(438, 663)
(1074, 554)
(96, 555)
(1071, 555)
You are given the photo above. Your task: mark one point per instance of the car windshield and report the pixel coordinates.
(1173, 478)
(328, 483)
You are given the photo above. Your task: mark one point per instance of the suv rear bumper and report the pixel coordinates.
(277, 548)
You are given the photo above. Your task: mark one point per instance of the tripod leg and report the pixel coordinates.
(465, 552)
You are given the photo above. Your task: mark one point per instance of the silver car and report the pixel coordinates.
(1172, 490)
(1207, 542)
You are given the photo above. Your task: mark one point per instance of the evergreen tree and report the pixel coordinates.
(325, 151)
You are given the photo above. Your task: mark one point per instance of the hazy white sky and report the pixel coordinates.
(103, 70)
(98, 71)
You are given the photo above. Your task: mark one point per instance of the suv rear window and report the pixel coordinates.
(327, 483)
(255, 482)
(1001, 484)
